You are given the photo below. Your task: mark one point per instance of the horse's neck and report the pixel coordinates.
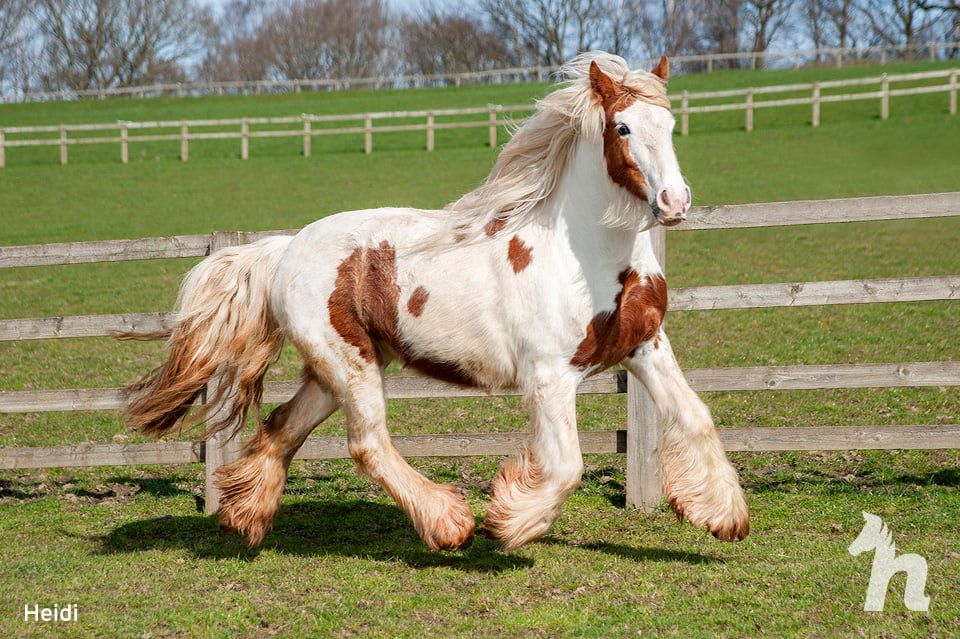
(579, 203)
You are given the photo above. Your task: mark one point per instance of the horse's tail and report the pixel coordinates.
(224, 327)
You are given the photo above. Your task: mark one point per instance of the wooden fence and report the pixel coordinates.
(638, 441)
(706, 62)
(363, 123)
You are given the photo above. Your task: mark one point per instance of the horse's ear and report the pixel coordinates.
(601, 83)
(662, 70)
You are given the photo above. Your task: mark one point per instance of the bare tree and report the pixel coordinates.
(545, 31)
(104, 43)
(721, 26)
(13, 32)
(233, 51)
(816, 22)
(670, 27)
(897, 21)
(841, 14)
(449, 41)
(326, 38)
(763, 19)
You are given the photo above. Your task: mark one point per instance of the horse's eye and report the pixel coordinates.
(623, 129)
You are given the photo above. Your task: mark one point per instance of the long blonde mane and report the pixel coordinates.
(533, 162)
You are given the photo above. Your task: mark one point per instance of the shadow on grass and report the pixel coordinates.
(636, 554)
(360, 529)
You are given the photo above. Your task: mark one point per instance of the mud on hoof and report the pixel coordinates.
(448, 522)
(251, 488)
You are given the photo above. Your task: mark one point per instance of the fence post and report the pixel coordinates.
(709, 64)
(492, 132)
(953, 100)
(933, 52)
(367, 134)
(222, 448)
(753, 62)
(883, 56)
(815, 120)
(3, 148)
(244, 139)
(884, 97)
(184, 142)
(685, 114)
(643, 473)
(124, 140)
(430, 132)
(749, 117)
(307, 136)
(63, 144)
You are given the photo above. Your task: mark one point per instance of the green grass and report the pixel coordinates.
(129, 547)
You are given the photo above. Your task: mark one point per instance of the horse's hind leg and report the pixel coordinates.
(530, 489)
(698, 480)
(252, 486)
(439, 513)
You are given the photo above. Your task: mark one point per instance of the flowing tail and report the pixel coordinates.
(224, 327)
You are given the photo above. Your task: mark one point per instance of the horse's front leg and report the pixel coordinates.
(698, 480)
(530, 489)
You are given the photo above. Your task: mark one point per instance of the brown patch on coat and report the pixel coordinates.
(494, 226)
(364, 310)
(621, 167)
(519, 254)
(612, 335)
(417, 301)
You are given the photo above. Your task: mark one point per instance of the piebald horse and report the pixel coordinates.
(537, 279)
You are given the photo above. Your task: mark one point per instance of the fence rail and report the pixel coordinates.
(364, 123)
(638, 441)
(702, 62)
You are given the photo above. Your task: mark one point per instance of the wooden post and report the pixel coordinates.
(953, 100)
(643, 473)
(222, 448)
(749, 117)
(184, 142)
(796, 61)
(63, 144)
(884, 97)
(883, 56)
(709, 64)
(429, 132)
(933, 52)
(815, 120)
(124, 141)
(245, 139)
(685, 114)
(3, 148)
(492, 132)
(753, 62)
(307, 136)
(367, 134)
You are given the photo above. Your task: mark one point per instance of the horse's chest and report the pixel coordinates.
(638, 312)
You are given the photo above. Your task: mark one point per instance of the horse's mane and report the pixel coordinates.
(533, 162)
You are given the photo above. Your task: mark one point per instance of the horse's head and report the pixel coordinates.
(638, 143)
(869, 537)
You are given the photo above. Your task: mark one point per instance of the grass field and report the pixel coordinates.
(129, 547)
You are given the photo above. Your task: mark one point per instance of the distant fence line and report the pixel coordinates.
(363, 123)
(836, 56)
(638, 441)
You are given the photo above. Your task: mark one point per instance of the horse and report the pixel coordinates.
(540, 277)
(877, 537)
